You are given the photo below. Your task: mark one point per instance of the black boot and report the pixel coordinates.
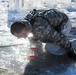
(72, 54)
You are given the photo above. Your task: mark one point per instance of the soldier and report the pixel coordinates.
(49, 26)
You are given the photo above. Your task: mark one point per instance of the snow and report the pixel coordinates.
(13, 59)
(65, 1)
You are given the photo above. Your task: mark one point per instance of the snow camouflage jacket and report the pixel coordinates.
(46, 27)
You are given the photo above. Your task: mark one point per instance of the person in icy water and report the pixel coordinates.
(48, 26)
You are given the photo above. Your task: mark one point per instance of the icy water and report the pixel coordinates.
(14, 54)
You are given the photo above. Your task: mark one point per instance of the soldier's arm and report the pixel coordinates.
(46, 33)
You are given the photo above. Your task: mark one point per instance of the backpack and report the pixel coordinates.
(40, 13)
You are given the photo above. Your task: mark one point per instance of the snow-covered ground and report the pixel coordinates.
(13, 59)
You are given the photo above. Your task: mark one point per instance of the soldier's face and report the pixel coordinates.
(22, 34)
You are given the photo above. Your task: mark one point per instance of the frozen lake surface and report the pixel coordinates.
(14, 52)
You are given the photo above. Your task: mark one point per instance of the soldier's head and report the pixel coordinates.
(20, 29)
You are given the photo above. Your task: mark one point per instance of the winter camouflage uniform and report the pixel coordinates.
(46, 27)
